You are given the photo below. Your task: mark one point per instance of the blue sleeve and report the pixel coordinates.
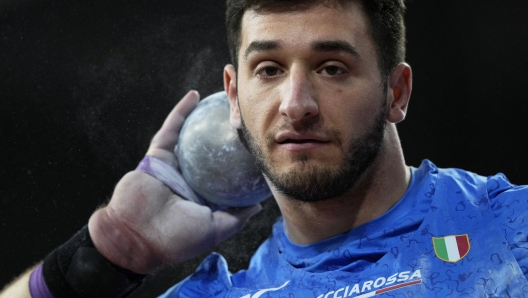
(509, 203)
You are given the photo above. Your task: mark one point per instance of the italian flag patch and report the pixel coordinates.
(451, 248)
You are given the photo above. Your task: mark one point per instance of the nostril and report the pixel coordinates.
(299, 110)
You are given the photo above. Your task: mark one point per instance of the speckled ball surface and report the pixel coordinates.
(213, 160)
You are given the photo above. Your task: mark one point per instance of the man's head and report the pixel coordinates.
(310, 98)
(386, 20)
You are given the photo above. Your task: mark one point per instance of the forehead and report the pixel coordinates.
(319, 22)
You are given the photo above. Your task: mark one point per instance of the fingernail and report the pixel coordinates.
(196, 93)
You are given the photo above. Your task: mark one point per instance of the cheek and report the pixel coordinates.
(352, 114)
(252, 121)
(259, 111)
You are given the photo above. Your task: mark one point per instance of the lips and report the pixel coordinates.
(296, 138)
(300, 141)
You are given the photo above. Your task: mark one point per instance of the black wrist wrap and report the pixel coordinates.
(77, 269)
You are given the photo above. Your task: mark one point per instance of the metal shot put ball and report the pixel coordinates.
(213, 160)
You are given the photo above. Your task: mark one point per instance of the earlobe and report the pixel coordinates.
(230, 86)
(399, 92)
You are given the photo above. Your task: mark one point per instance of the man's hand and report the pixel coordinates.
(146, 224)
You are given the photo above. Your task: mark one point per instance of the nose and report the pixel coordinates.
(298, 100)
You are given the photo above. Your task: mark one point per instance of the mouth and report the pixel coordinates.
(290, 137)
(301, 141)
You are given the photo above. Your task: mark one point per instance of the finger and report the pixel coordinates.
(229, 221)
(167, 136)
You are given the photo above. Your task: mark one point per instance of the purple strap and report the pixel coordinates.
(37, 285)
(167, 174)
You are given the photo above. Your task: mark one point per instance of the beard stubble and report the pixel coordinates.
(315, 183)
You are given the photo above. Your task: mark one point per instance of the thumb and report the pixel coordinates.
(229, 221)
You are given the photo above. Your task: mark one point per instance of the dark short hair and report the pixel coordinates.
(387, 27)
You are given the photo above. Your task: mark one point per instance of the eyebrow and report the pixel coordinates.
(262, 45)
(317, 46)
(335, 46)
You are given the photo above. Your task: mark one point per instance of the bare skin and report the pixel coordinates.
(19, 287)
(289, 82)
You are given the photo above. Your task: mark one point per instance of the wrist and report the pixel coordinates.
(77, 269)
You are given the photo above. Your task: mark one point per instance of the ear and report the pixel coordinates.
(230, 86)
(399, 92)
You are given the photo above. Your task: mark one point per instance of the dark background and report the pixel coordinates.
(85, 84)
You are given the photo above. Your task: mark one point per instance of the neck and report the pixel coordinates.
(378, 189)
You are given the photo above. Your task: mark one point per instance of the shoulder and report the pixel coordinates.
(495, 191)
(497, 187)
(505, 196)
(509, 203)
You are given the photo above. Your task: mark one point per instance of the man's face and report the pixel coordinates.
(311, 100)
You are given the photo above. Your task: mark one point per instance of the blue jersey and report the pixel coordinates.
(452, 234)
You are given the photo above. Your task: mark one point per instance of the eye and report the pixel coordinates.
(332, 70)
(269, 71)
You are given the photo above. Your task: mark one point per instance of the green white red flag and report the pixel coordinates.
(451, 248)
